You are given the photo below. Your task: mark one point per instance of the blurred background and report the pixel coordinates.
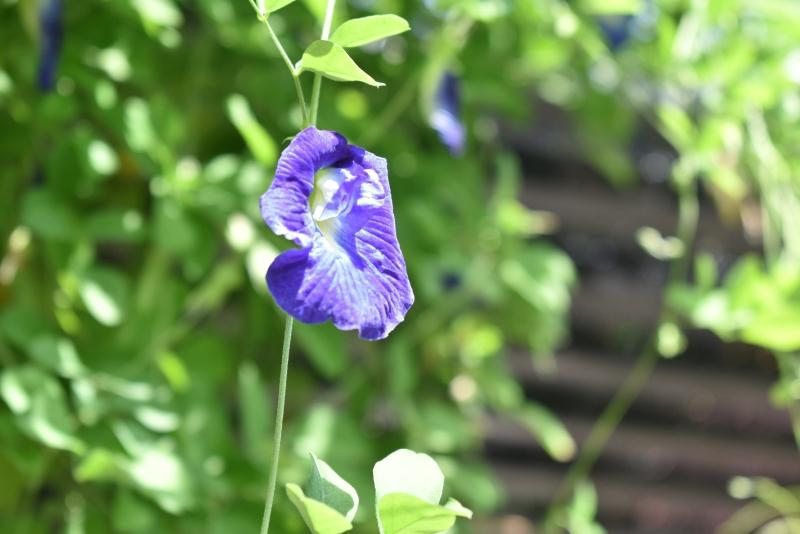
(620, 222)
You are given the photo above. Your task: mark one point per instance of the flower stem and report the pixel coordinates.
(317, 87)
(276, 446)
(602, 430)
(295, 75)
(263, 16)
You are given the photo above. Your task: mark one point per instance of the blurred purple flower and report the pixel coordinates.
(52, 34)
(333, 200)
(616, 30)
(619, 30)
(445, 117)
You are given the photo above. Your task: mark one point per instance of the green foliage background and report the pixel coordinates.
(139, 347)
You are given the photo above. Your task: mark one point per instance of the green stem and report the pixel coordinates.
(603, 429)
(263, 16)
(317, 87)
(295, 75)
(785, 365)
(276, 446)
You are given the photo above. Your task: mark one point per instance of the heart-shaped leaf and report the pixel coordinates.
(365, 30)
(319, 517)
(408, 472)
(331, 60)
(401, 513)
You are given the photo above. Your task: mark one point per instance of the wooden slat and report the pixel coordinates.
(716, 399)
(655, 451)
(703, 417)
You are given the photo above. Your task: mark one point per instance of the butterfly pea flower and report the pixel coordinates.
(332, 199)
(619, 30)
(52, 34)
(445, 117)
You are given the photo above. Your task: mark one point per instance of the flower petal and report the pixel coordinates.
(358, 279)
(284, 207)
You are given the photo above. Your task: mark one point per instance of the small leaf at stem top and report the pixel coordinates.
(331, 60)
(365, 30)
(274, 5)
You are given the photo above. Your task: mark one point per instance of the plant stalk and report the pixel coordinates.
(317, 87)
(276, 446)
(295, 75)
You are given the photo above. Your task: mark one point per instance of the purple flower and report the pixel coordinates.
(619, 30)
(445, 117)
(333, 200)
(52, 33)
(616, 30)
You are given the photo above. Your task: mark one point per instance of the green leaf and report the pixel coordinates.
(115, 225)
(105, 293)
(670, 341)
(776, 330)
(258, 140)
(131, 513)
(580, 513)
(40, 406)
(317, 8)
(226, 277)
(156, 419)
(102, 158)
(49, 216)
(331, 60)
(677, 125)
(140, 132)
(100, 464)
(408, 472)
(459, 509)
(159, 12)
(365, 30)
(163, 476)
(274, 5)
(57, 354)
(551, 433)
(327, 487)
(319, 517)
(401, 513)
(20, 326)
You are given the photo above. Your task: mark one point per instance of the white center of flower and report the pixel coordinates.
(330, 199)
(338, 191)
